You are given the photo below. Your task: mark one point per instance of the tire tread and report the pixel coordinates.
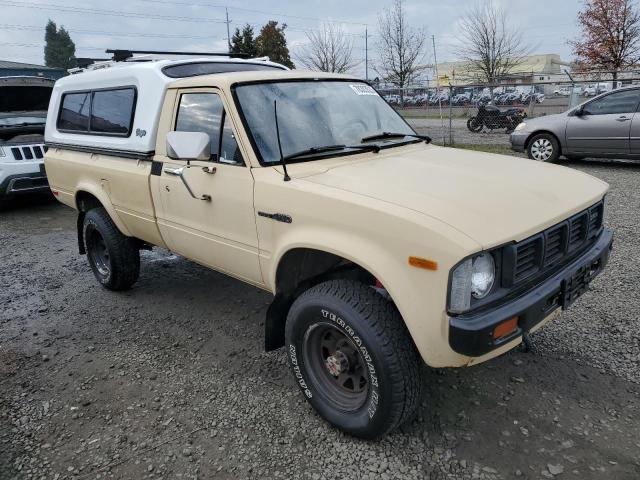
(400, 354)
(124, 253)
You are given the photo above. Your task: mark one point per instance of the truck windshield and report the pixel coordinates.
(316, 113)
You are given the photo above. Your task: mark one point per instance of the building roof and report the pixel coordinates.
(10, 64)
(462, 72)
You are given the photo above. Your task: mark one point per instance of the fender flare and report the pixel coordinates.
(102, 197)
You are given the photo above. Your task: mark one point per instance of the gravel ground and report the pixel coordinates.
(169, 380)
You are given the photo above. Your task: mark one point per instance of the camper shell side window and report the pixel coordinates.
(102, 112)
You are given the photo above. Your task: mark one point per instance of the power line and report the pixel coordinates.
(250, 10)
(114, 13)
(33, 45)
(104, 33)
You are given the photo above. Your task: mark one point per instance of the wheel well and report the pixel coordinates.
(300, 269)
(85, 201)
(530, 137)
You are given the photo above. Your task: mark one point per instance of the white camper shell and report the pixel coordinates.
(116, 106)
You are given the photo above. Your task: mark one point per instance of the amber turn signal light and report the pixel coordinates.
(425, 263)
(506, 328)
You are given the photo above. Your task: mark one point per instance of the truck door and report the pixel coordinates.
(205, 208)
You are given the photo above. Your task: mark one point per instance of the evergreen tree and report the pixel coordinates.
(272, 43)
(59, 49)
(243, 41)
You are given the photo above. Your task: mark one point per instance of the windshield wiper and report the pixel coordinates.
(383, 135)
(331, 148)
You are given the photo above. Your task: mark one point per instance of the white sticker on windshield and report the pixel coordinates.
(362, 89)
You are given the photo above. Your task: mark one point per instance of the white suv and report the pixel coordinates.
(23, 114)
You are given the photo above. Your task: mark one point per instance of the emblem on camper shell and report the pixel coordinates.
(140, 133)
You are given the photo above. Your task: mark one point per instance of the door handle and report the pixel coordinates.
(178, 172)
(623, 119)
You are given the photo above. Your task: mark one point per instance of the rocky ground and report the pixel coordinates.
(169, 380)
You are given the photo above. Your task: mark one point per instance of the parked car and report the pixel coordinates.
(382, 251)
(461, 99)
(606, 126)
(23, 112)
(562, 91)
(533, 97)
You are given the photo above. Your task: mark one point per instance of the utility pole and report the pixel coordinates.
(366, 52)
(226, 11)
(435, 68)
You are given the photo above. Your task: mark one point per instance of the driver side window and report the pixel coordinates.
(204, 112)
(618, 102)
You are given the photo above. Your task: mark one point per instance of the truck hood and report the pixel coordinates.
(491, 198)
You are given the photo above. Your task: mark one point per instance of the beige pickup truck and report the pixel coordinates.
(383, 252)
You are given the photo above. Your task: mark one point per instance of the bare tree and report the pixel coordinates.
(328, 50)
(488, 44)
(401, 47)
(610, 36)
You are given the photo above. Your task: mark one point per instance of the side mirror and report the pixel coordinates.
(579, 112)
(188, 146)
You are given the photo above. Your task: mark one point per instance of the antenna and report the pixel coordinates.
(282, 161)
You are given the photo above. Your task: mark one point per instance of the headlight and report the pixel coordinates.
(483, 273)
(520, 126)
(474, 277)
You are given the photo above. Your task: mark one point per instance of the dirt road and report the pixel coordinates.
(169, 380)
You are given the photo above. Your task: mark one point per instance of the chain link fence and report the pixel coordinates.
(483, 115)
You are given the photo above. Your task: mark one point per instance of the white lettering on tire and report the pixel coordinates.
(298, 372)
(374, 398)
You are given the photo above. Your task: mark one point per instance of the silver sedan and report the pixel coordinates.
(605, 126)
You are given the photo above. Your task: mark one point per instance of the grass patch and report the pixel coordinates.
(485, 148)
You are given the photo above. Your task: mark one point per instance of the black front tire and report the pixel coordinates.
(113, 257)
(544, 147)
(370, 343)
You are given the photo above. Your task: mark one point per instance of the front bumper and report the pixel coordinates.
(518, 140)
(22, 177)
(472, 334)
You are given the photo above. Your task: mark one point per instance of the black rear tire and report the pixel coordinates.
(474, 124)
(113, 257)
(353, 358)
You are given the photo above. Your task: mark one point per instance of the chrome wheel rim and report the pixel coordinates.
(98, 252)
(541, 150)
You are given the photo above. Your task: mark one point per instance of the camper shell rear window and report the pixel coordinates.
(207, 68)
(107, 111)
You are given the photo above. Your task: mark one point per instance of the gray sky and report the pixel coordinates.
(199, 24)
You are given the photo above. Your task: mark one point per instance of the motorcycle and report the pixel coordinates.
(493, 118)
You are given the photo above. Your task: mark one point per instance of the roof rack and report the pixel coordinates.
(82, 62)
(120, 55)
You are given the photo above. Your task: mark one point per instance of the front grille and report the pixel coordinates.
(28, 152)
(578, 230)
(595, 220)
(527, 258)
(555, 244)
(551, 247)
